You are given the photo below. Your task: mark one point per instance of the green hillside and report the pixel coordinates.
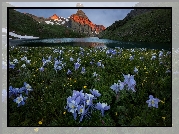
(25, 25)
(153, 26)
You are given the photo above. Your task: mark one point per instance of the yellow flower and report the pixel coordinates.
(85, 86)
(40, 122)
(64, 112)
(163, 118)
(75, 81)
(162, 101)
(36, 129)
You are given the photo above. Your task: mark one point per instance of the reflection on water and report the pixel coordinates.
(88, 42)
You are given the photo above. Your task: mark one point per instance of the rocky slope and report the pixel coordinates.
(146, 25)
(81, 20)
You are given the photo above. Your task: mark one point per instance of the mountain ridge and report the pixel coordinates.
(27, 24)
(142, 25)
(79, 22)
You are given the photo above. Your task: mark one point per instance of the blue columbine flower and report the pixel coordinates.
(129, 81)
(95, 74)
(24, 58)
(57, 68)
(69, 72)
(77, 65)
(131, 57)
(95, 92)
(99, 64)
(28, 61)
(71, 59)
(43, 60)
(77, 94)
(102, 107)
(73, 106)
(55, 59)
(89, 101)
(27, 87)
(11, 91)
(21, 90)
(102, 66)
(115, 87)
(11, 65)
(23, 66)
(81, 103)
(50, 57)
(83, 70)
(114, 52)
(160, 54)
(135, 70)
(78, 60)
(152, 101)
(81, 110)
(55, 51)
(56, 65)
(15, 61)
(20, 100)
(153, 57)
(41, 69)
(57, 62)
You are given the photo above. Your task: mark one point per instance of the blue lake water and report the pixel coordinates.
(87, 42)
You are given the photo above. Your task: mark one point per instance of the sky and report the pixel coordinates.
(104, 17)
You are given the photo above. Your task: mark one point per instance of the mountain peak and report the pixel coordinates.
(54, 17)
(81, 18)
(81, 13)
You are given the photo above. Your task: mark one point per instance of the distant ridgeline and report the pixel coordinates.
(77, 25)
(145, 25)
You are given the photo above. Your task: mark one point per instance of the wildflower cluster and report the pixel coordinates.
(82, 103)
(152, 101)
(79, 68)
(18, 93)
(129, 83)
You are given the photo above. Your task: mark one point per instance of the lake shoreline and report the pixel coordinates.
(87, 42)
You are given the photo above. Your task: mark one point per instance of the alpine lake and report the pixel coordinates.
(87, 42)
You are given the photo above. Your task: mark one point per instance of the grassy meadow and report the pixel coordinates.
(116, 83)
